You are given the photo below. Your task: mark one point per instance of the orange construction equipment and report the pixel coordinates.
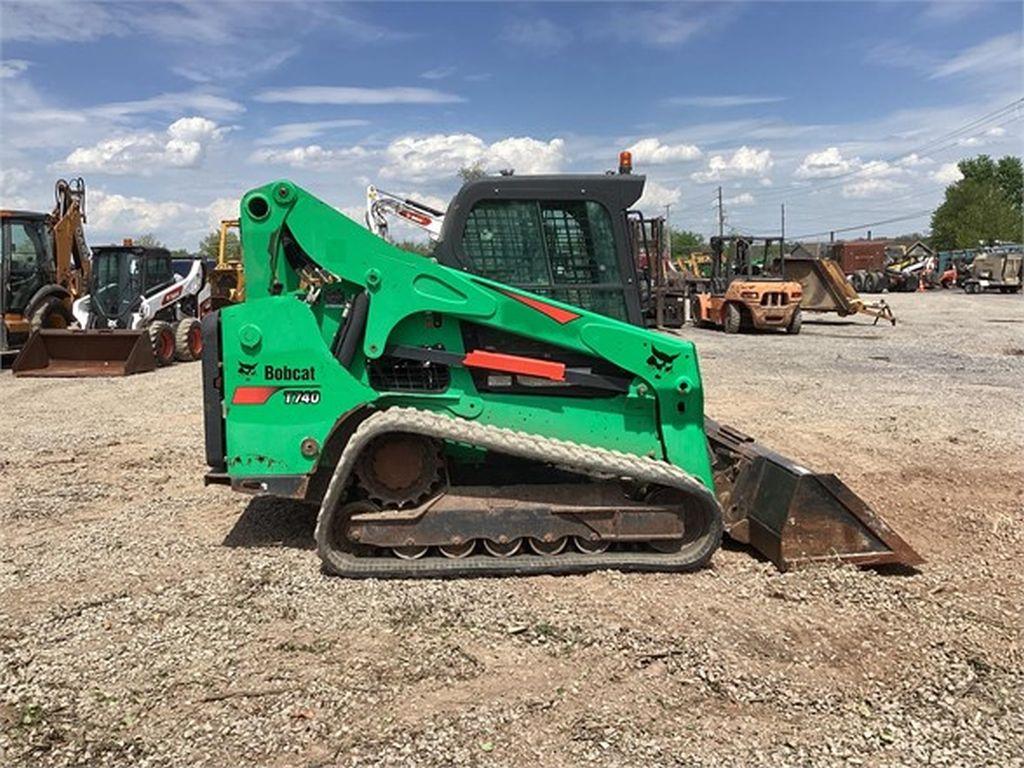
(738, 296)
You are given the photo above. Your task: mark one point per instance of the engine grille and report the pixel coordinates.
(392, 374)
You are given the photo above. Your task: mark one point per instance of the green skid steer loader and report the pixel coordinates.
(450, 424)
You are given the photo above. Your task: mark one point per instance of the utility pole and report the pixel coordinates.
(666, 246)
(782, 236)
(721, 215)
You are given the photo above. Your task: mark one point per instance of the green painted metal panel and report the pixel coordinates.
(280, 339)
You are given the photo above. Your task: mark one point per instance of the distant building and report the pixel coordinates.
(918, 250)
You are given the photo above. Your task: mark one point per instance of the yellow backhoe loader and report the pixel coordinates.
(44, 266)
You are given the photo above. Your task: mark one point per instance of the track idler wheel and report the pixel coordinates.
(400, 469)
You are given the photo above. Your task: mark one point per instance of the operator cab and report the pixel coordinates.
(121, 276)
(27, 263)
(563, 236)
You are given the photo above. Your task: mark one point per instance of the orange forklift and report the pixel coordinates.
(740, 294)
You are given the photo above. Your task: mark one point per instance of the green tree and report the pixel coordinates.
(684, 242)
(148, 240)
(423, 248)
(210, 244)
(1010, 176)
(985, 205)
(472, 172)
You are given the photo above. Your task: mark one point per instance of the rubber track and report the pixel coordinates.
(585, 459)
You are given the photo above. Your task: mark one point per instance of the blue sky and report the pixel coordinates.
(172, 110)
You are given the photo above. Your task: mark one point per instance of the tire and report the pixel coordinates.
(51, 313)
(188, 340)
(795, 322)
(733, 319)
(912, 283)
(881, 282)
(161, 334)
(857, 281)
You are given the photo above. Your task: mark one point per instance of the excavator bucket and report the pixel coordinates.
(826, 289)
(74, 353)
(794, 516)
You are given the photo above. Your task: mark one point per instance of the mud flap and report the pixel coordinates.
(73, 353)
(794, 516)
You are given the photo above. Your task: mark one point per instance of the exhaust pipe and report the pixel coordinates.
(794, 516)
(74, 353)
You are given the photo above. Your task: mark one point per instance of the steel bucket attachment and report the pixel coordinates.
(826, 289)
(75, 353)
(794, 516)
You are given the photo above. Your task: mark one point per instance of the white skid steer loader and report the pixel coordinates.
(138, 315)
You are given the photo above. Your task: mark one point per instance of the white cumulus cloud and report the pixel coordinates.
(878, 169)
(651, 151)
(871, 187)
(745, 161)
(182, 145)
(947, 173)
(744, 198)
(657, 196)
(825, 164)
(914, 160)
(131, 216)
(442, 155)
(526, 156)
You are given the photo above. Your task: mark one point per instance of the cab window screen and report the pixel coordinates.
(579, 240)
(158, 272)
(564, 249)
(503, 238)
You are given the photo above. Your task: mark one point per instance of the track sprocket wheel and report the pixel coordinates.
(400, 470)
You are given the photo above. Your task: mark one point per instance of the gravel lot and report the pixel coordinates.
(147, 620)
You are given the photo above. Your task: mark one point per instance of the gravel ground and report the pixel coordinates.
(148, 621)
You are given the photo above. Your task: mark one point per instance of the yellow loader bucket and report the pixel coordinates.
(826, 289)
(76, 353)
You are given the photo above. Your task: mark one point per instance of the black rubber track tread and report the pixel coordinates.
(337, 562)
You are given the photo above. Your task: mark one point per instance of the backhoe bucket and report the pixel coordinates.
(794, 516)
(826, 289)
(76, 353)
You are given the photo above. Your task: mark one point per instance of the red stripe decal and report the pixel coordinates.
(252, 395)
(560, 316)
(528, 366)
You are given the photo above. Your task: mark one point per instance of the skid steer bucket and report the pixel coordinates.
(794, 516)
(826, 289)
(85, 353)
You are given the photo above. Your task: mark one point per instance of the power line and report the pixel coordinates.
(927, 149)
(893, 220)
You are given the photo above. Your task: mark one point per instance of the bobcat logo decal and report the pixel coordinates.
(660, 361)
(247, 369)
